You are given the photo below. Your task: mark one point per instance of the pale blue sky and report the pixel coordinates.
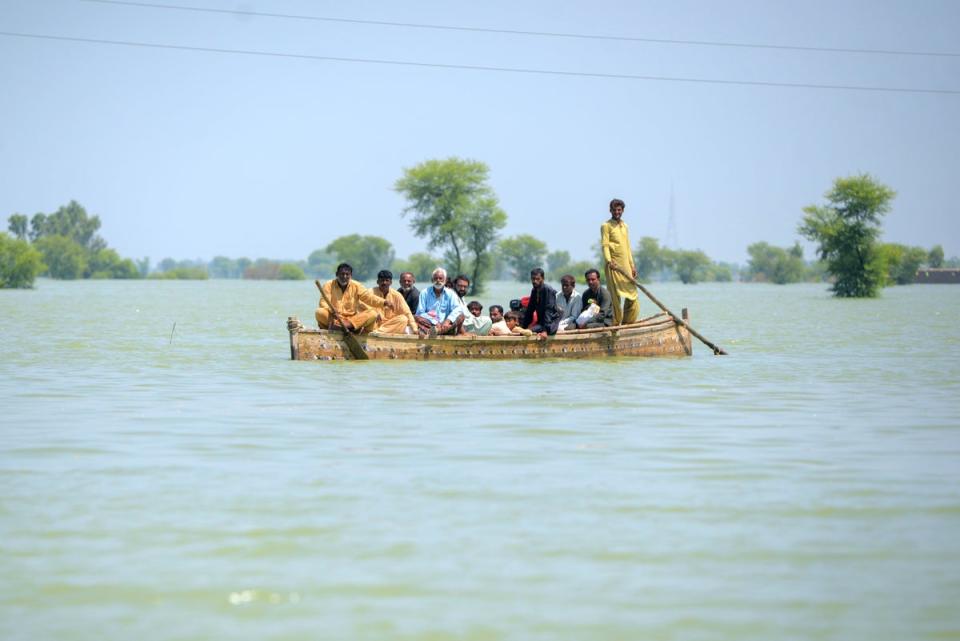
(191, 154)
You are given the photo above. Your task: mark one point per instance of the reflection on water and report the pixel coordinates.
(191, 482)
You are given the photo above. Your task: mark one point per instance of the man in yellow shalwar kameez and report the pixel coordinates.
(356, 305)
(398, 319)
(615, 242)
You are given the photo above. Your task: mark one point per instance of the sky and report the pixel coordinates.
(191, 154)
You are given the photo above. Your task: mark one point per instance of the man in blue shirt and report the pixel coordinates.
(439, 309)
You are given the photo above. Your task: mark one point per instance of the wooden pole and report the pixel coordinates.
(356, 350)
(717, 350)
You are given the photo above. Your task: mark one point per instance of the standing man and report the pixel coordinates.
(410, 293)
(543, 301)
(439, 310)
(398, 320)
(615, 243)
(355, 304)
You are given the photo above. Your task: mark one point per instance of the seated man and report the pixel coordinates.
(355, 304)
(601, 299)
(509, 326)
(569, 304)
(439, 310)
(541, 316)
(410, 293)
(398, 320)
(496, 314)
(474, 322)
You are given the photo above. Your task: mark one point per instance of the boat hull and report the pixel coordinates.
(651, 337)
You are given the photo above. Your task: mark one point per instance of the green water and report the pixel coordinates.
(191, 482)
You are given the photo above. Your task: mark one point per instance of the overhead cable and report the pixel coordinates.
(518, 32)
(518, 70)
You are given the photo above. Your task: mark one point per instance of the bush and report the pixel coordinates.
(181, 273)
(289, 271)
(19, 263)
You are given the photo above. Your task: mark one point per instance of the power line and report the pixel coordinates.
(436, 65)
(518, 32)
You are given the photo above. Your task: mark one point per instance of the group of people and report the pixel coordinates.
(441, 308)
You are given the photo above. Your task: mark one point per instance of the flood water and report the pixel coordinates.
(166, 472)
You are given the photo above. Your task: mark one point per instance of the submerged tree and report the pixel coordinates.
(452, 206)
(523, 253)
(366, 254)
(847, 228)
(20, 263)
(775, 264)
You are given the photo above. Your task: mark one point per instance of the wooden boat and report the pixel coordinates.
(657, 335)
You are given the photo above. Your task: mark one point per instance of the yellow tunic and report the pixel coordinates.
(615, 242)
(356, 303)
(396, 320)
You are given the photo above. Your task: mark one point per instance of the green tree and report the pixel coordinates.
(366, 254)
(289, 271)
(899, 263)
(934, 258)
(452, 206)
(579, 268)
(70, 221)
(223, 267)
(420, 264)
(523, 253)
(17, 223)
(557, 262)
(691, 266)
(64, 257)
(846, 229)
(107, 263)
(321, 264)
(775, 264)
(648, 257)
(20, 263)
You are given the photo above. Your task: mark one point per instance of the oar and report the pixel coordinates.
(352, 343)
(717, 350)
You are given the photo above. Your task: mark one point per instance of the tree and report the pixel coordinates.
(223, 267)
(935, 257)
(691, 266)
(557, 262)
(289, 271)
(648, 257)
(107, 263)
(17, 223)
(847, 228)
(899, 263)
(70, 221)
(775, 264)
(452, 206)
(321, 264)
(523, 253)
(19, 263)
(366, 254)
(64, 257)
(420, 264)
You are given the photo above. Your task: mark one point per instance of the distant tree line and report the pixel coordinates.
(450, 204)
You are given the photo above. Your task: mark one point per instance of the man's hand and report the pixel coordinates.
(541, 336)
(389, 305)
(634, 270)
(347, 325)
(444, 327)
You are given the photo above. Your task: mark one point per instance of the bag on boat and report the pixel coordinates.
(587, 315)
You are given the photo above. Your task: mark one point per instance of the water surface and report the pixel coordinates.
(168, 473)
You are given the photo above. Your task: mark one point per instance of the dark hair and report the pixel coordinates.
(537, 271)
(493, 307)
(592, 270)
(567, 278)
(384, 273)
(515, 305)
(345, 266)
(474, 303)
(411, 274)
(512, 314)
(617, 201)
(461, 277)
